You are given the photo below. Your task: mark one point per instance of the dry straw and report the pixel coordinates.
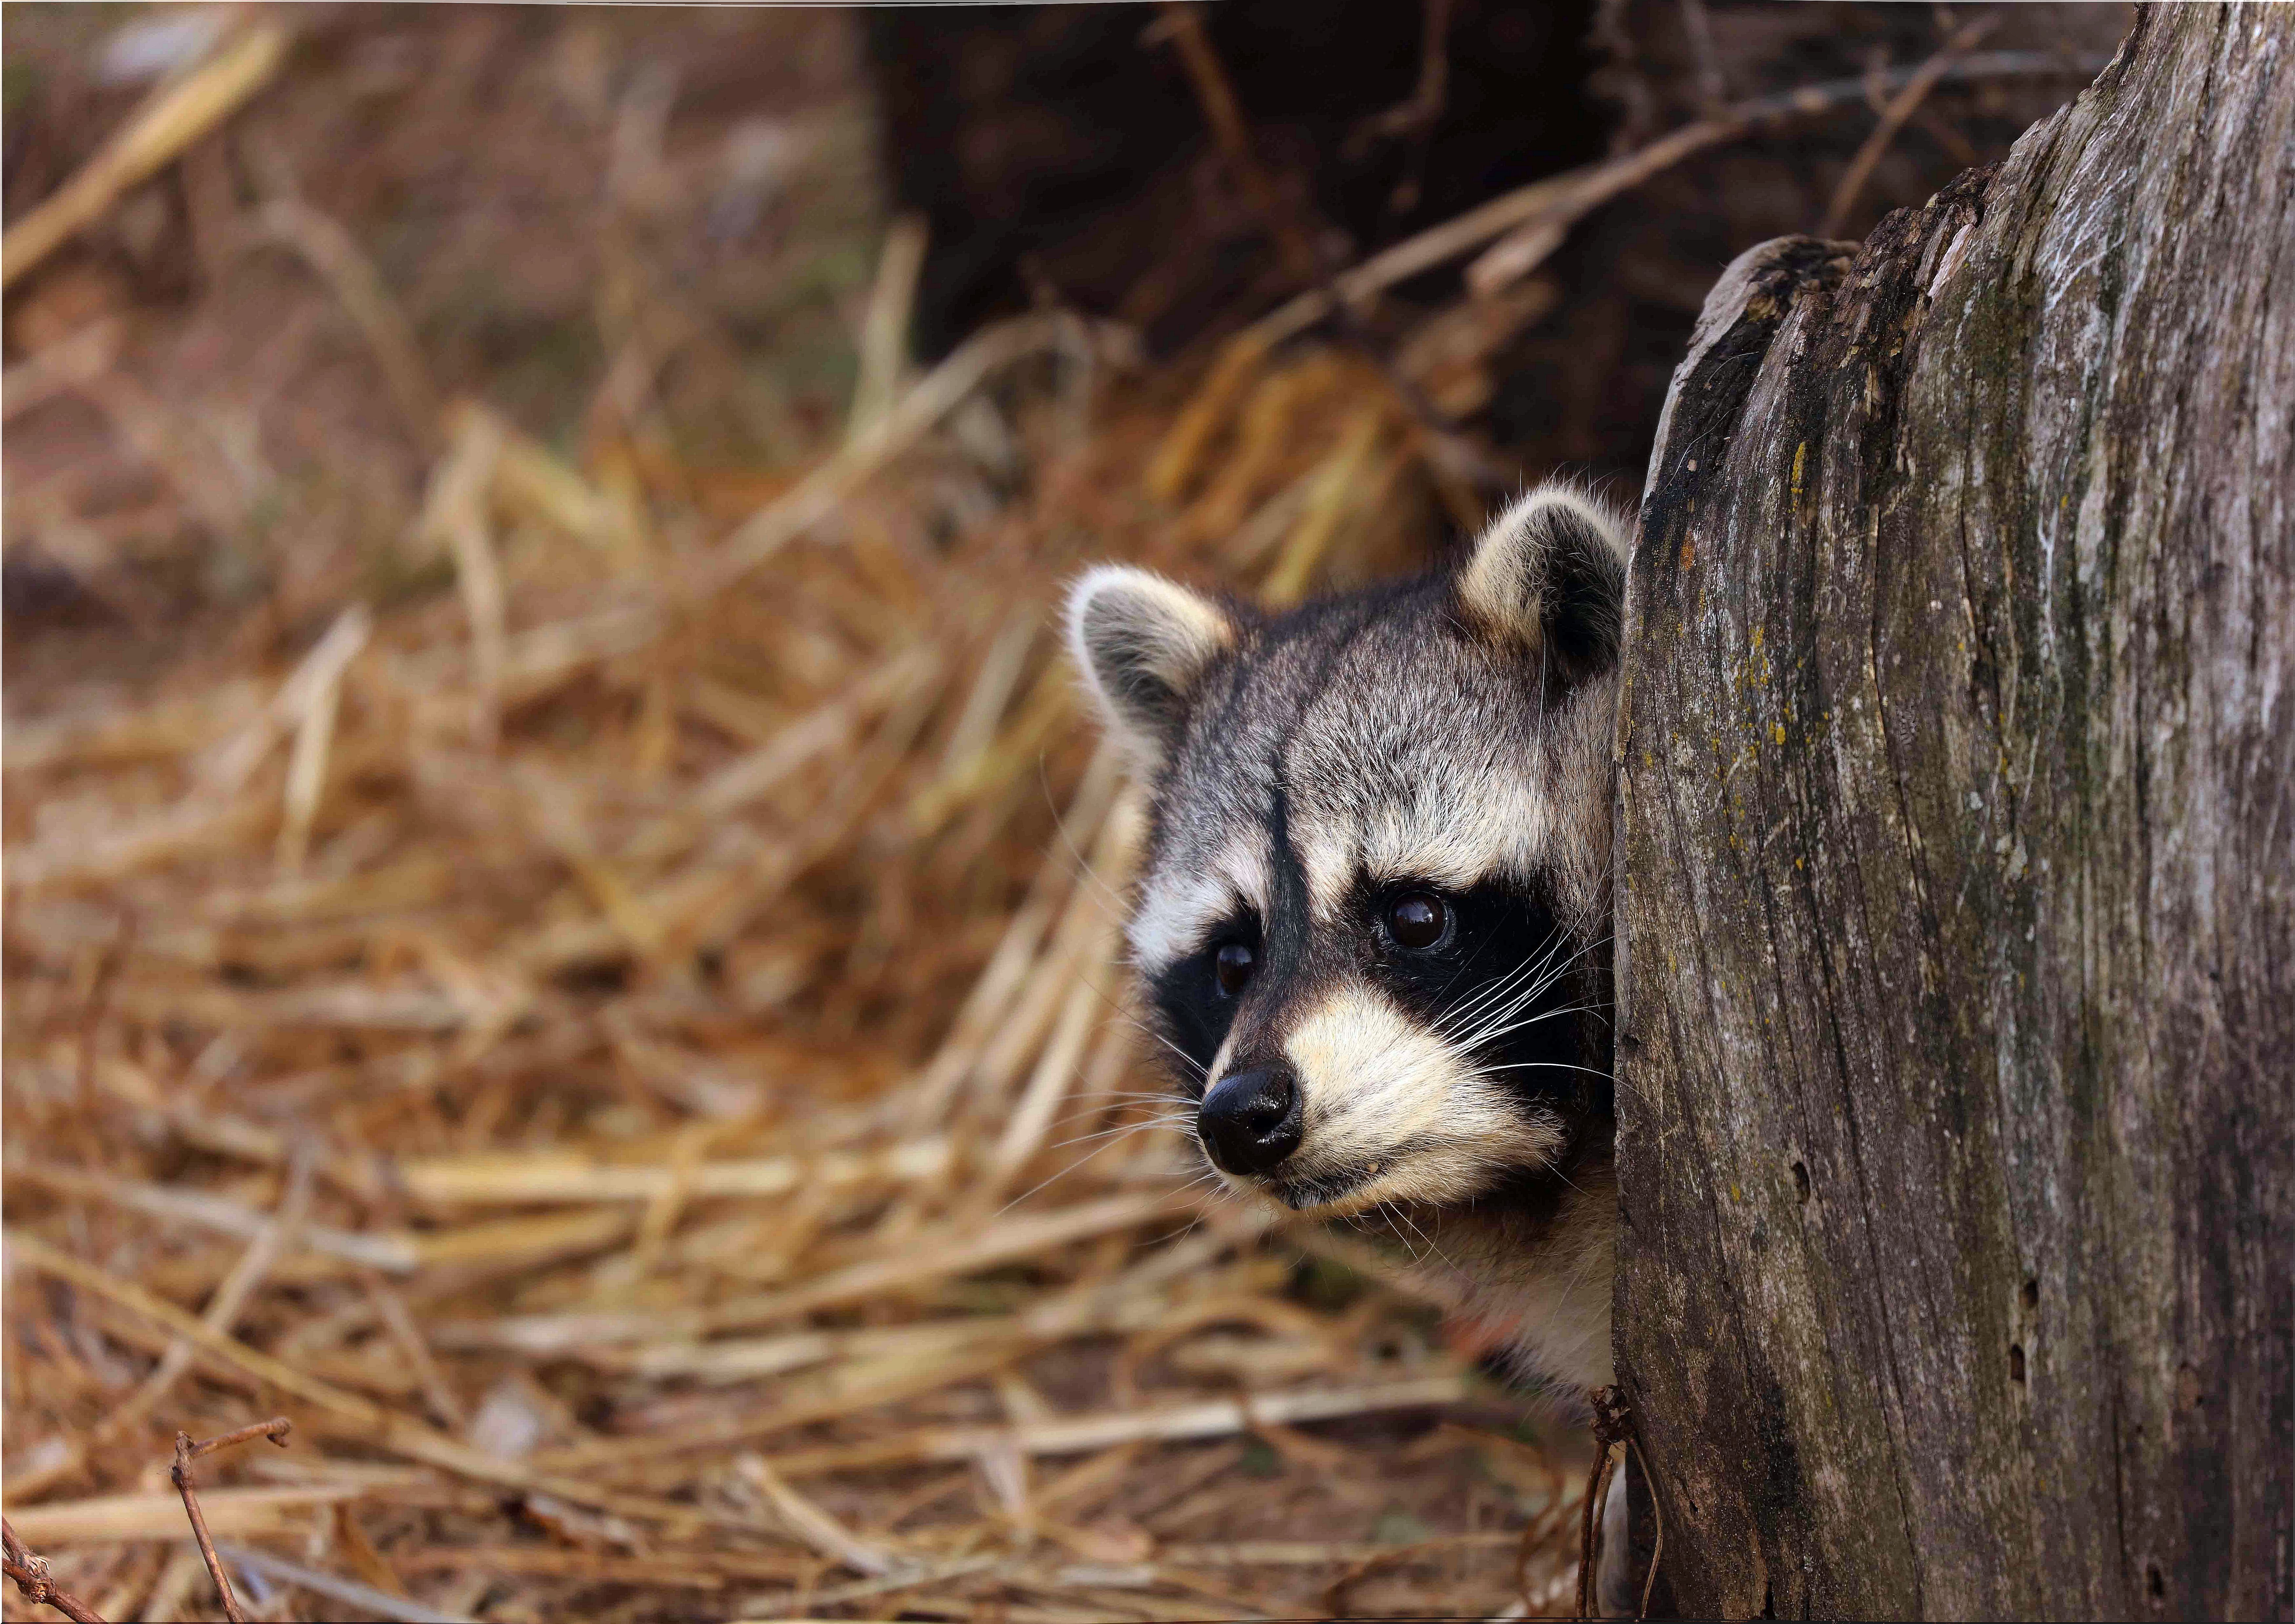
(615, 1027)
(632, 1055)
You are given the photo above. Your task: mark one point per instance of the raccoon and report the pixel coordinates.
(1371, 926)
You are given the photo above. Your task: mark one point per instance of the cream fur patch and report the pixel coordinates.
(1493, 824)
(1384, 1097)
(1178, 910)
(1134, 636)
(1502, 583)
(1496, 822)
(1551, 1293)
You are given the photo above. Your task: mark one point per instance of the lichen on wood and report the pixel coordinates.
(1957, 920)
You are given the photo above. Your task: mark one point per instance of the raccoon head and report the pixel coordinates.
(1373, 916)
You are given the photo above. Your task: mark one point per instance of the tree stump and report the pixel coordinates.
(1956, 920)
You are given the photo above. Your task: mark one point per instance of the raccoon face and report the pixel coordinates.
(1372, 918)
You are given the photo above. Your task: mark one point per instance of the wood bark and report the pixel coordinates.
(1957, 920)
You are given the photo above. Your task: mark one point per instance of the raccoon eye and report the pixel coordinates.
(1231, 967)
(1418, 921)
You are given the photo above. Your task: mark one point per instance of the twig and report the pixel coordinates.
(809, 1522)
(1712, 89)
(1590, 1527)
(1416, 116)
(391, 1308)
(1292, 227)
(1182, 26)
(455, 514)
(187, 1485)
(1610, 1429)
(1570, 196)
(1900, 108)
(30, 1573)
(933, 397)
(884, 328)
(1657, 1515)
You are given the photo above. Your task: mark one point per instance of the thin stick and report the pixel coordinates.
(1083, 1434)
(1613, 1421)
(809, 1522)
(1576, 192)
(99, 990)
(1657, 1514)
(187, 1484)
(1216, 97)
(1292, 227)
(30, 1573)
(391, 1308)
(933, 397)
(1590, 1528)
(1901, 107)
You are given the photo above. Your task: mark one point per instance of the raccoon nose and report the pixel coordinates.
(1250, 1120)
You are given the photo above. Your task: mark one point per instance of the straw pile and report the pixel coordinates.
(613, 1024)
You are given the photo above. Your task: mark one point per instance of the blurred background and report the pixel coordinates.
(561, 912)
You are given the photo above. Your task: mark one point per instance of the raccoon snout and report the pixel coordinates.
(1250, 1120)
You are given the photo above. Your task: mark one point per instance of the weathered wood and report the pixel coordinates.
(1956, 929)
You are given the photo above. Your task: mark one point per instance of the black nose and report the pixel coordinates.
(1250, 1120)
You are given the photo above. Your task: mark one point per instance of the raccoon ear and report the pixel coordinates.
(1549, 575)
(1142, 644)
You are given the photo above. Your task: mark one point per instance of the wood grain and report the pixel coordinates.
(1957, 924)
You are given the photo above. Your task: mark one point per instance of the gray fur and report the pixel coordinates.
(1454, 730)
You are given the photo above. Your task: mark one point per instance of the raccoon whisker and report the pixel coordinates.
(1504, 1023)
(1399, 1215)
(1539, 968)
(1104, 1101)
(1490, 1019)
(1469, 965)
(1494, 1035)
(1129, 1097)
(1116, 1008)
(1078, 1164)
(1495, 1011)
(1093, 1113)
(1505, 987)
(1471, 1008)
(1120, 1130)
(1551, 1066)
(1088, 1109)
(1083, 863)
(1195, 1068)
